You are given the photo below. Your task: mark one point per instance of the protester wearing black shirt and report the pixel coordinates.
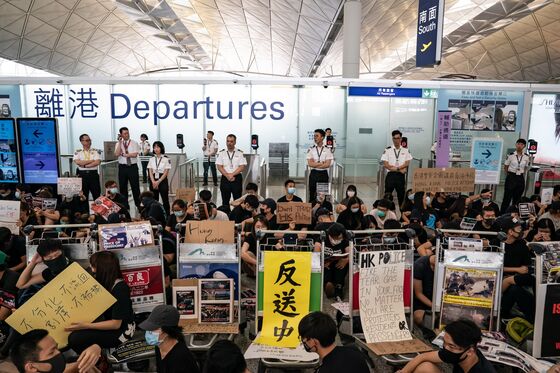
(268, 208)
(249, 247)
(482, 200)
(353, 217)
(487, 224)
(290, 195)
(8, 280)
(317, 332)
(441, 202)
(245, 210)
(112, 192)
(14, 247)
(423, 286)
(337, 248)
(151, 209)
(225, 357)
(50, 253)
(178, 215)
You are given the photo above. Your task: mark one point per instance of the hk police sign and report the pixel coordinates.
(429, 33)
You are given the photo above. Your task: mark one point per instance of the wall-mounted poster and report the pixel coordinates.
(8, 153)
(544, 127)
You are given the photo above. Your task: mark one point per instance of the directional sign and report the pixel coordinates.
(429, 32)
(486, 159)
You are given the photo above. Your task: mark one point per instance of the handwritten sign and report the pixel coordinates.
(443, 180)
(186, 194)
(546, 195)
(258, 351)
(69, 186)
(9, 215)
(381, 296)
(300, 212)
(208, 231)
(72, 296)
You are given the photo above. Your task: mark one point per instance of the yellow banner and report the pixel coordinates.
(287, 284)
(72, 296)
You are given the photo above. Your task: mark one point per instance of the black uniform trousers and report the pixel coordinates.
(513, 190)
(229, 188)
(90, 183)
(163, 189)
(395, 181)
(129, 174)
(316, 176)
(212, 165)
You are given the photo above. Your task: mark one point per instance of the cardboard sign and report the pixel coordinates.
(9, 215)
(104, 207)
(69, 186)
(287, 212)
(71, 297)
(443, 180)
(125, 235)
(400, 347)
(186, 194)
(208, 231)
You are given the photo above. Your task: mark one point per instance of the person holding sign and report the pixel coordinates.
(127, 151)
(50, 253)
(318, 161)
(210, 148)
(515, 167)
(159, 166)
(231, 162)
(87, 159)
(395, 160)
(118, 325)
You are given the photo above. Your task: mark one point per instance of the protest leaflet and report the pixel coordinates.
(104, 207)
(69, 186)
(125, 235)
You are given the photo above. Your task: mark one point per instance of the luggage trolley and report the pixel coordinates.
(494, 256)
(230, 257)
(365, 241)
(316, 302)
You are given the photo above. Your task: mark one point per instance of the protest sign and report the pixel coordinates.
(287, 282)
(287, 212)
(71, 297)
(399, 347)
(547, 322)
(186, 194)
(146, 287)
(215, 300)
(185, 298)
(104, 207)
(209, 231)
(526, 210)
(259, 351)
(44, 203)
(464, 243)
(443, 180)
(125, 235)
(69, 186)
(9, 215)
(381, 296)
(546, 195)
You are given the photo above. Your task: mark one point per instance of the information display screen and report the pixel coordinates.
(8, 153)
(38, 146)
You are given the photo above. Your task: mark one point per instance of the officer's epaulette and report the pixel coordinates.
(77, 151)
(512, 153)
(388, 147)
(222, 150)
(239, 150)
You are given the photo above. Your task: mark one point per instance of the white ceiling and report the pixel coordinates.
(490, 39)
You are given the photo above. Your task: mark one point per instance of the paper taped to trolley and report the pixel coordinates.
(443, 180)
(9, 215)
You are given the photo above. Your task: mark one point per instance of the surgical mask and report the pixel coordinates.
(57, 265)
(152, 338)
(485, 200)
(291, 190)
(411, 197)
(351, 193)
(389, 239)
(355, 210)
(179, 213)
(114, 190)
(428, 201)
(380, 213)
(18, 195)
(58, 364)
(450, 357)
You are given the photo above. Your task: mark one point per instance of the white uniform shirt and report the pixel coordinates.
(211, 147)
(319, 154)
(86, 155)
(517, 163)
(230, 160)
(158, 165)
(396, 157)
(133, 147)
(145, 147)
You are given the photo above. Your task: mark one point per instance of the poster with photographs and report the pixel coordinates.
(104, 207)
(125, 235)
(216, 300)
(185, 299)
(468, 293)
(210, 271)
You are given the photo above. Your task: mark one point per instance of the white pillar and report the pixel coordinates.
(351, 41)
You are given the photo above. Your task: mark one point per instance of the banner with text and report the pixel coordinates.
(443, 180)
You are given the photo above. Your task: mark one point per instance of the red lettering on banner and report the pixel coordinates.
(556, 309)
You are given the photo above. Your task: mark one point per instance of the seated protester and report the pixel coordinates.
(422, 207)
(543, 231)
(337, 251)
(205, 196)
(441, 202)
(48, 216)
(76, 204)
(151, 209)
(487, 224)
(21, 191)
(290, 196)
(459, 349)
(117, 326)
(382, 213)
(215, 214)
(351, 191)
(8, 281)
(389, 197)
(65, 217)
(6, 193)
(553, 214)
(477, 202)
(317, 332)
(50, 253)
(391, 237)
(421, 243)
(169, 247)
(268, 209)
(246, 210)
(37, 351)
(517, 260)
(112, 192)
(251, 189)
(178, 216)
(163, 331)
(249, 246)
(458, 209)
(225, 357)
(423, 286)
(324, 219)
(321, 202)
(14, 247)
(352, 218)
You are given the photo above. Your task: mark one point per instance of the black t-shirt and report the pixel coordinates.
(172, 223)
(178, 360)
(344, 359)
(424, 273)
(494, 228)
(516, 254)
(238, 214)
(8, 281)
(272, 224)
(252, 242)
(15, 249)
(294, 199)
(483, 366)
(441, 206)
(122, 308)
(477, 206)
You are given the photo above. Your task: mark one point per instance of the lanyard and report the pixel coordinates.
(397, 154)
(158, 163)
(319, 154)
(230, 158)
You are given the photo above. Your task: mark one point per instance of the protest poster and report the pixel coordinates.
(525, 210)
(104, 207)
(9, 215)
(198, 270)
(207, 251)
(546, 196)
(547, 321)
(381, 296)
(287, 286)
(200, 211)
(186, 194)
(69, 186)
(131, 348)
(464, 243)
(146, 287)
(298, 212)
(71, 297)
(209, 231)
(468, 293)
(185, 299)
(215, 300)
(467, 223)
(44, 203)
(125, 235)
(443, 180)
(260, 351)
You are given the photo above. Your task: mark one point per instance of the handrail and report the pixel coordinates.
(189, 165)
(340, 180)
(263, 176)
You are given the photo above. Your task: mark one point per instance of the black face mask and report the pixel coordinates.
(306, 347)
(57, 265)
(58, 364)
(490, 221)
(451, 357)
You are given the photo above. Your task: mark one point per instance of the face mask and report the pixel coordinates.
(428, 201)
(114, 190)
(58, 364)
(351, 193)
(389, 239)
(490, 221)
(355, 210)
(18, 195)
(178, 213)
(152, 338)
(485, 200)
(57, 265)
(306, 347)
(380, 213)
(411, 197)
(335, 242)
(451, 357)
(291, 190)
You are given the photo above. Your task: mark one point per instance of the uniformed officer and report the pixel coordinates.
(319, 159)
(210, 148)
(395, 160)
(231, 163)
(159, 166)
(88, 160)
(515, 167)
(127, 150)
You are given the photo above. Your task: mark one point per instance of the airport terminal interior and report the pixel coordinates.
(280, 186)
